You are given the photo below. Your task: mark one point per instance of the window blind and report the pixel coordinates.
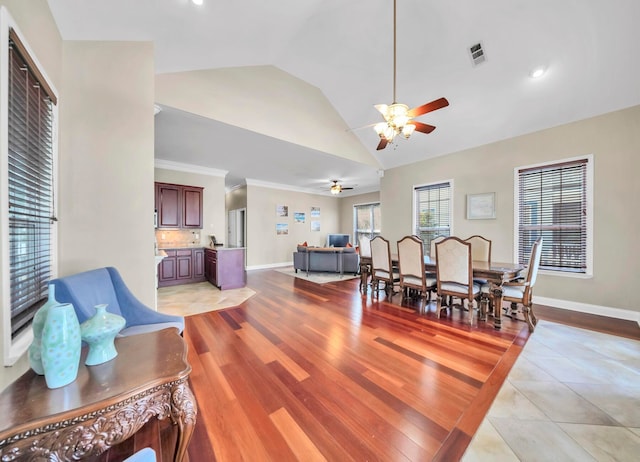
(553, 204)
(30, 187)
(432, 212)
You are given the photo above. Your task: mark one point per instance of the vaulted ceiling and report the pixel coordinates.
(283, 92)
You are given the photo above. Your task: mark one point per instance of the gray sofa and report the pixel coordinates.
(326, 261)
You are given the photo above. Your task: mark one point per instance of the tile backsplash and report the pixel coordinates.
(178, 238)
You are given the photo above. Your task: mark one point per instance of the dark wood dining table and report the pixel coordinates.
(496, 273)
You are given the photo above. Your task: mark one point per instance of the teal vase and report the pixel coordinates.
(35, 353)
(99, 332)
(61, 345)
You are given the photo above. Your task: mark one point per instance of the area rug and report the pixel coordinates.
(191, 299)
(318, 277)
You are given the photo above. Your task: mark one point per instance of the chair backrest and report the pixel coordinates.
(365, 247)
(453, 262)
(434, 241)
(86, 290)
(380, 254)
(411, 257)
(480, 248)
(534, 262)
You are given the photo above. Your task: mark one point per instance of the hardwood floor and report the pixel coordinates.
(303, 371)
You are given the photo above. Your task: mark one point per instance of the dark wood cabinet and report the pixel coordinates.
(181, 266)
(198, 263)
(224, 267)
(178, 206)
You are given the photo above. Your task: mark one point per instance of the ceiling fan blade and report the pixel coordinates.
(432, 106)
(343, 188)
(423, 128)
(382, 144)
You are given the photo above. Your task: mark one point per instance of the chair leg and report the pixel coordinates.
(526, 311)
(439, 300)
(470, 305)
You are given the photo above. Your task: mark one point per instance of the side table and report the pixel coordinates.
(104, 406)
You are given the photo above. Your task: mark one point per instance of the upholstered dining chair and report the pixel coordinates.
(434, 241)
(454, 273)
(364, 249)
(381, 266)
(411, 267)
(521, 292)
(480, 251)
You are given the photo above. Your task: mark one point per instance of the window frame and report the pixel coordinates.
(373, 232)
(414, 212)
(14, 349)
(589, 179)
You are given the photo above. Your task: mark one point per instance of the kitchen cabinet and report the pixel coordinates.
(178, 206)
(224, 267)
(181, 266)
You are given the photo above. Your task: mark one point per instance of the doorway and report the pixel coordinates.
(236, 220)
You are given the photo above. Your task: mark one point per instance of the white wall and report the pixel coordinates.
(613, 139)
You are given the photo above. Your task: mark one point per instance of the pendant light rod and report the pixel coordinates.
(394, 51)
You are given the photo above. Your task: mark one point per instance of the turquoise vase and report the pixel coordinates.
(35, 353)
(99, 332)
(61, 345)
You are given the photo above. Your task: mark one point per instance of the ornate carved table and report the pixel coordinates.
(104, 406)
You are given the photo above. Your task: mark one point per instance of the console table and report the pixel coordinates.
(104, 406)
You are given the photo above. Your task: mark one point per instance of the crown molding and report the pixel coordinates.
(189, 168)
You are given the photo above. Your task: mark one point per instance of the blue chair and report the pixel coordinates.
(143, 455)
(105, 285)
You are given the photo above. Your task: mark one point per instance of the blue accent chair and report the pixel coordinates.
(143, 455)
(105, 285)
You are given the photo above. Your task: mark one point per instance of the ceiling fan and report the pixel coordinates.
(337, 188)
(398, 118)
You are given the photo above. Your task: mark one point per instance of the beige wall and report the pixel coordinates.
(213, 210)
(106, 161)
(613, 139)
(236, 199)
(264, 247)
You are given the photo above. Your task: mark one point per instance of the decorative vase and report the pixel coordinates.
(61, 345)
(35, 353)
(99, 331)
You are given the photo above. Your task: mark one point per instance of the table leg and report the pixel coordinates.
(183, 412)
(497, 292)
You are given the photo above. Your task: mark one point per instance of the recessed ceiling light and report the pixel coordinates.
(538, 72)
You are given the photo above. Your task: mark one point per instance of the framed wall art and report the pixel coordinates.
(481, 206)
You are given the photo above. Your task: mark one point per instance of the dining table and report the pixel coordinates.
(496, 274)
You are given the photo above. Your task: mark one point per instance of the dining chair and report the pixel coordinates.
(411, 268)
(480, 251)
(521, 291)
(364, 249)
(381, 266)
(454, 274)
(434, 241)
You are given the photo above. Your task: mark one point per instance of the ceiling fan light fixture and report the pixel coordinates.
(407, 130)
(336, 188)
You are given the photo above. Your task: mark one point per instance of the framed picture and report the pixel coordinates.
(481, 206)
(315, 212)
(282, 228)
(315, 225)
(298, 217)
(282, 210)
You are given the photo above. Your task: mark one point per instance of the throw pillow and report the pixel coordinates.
(349, 244)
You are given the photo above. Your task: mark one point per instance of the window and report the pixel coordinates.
(553, 202)
(432, 207)
(366, 221)
(29, 189)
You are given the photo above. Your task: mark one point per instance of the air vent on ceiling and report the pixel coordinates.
(477, 54)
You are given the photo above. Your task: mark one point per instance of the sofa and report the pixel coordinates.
(326, 261)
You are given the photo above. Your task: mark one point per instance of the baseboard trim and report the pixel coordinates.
(270, 265)
(608, 311)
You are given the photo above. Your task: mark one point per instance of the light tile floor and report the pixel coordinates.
(190, 299)
(572, 395)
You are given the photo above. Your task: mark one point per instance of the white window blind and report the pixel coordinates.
(553, 204)
(30, 185)
(366, 219)
(432, 212)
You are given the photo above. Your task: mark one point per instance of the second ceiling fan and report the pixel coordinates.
(398, 118)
